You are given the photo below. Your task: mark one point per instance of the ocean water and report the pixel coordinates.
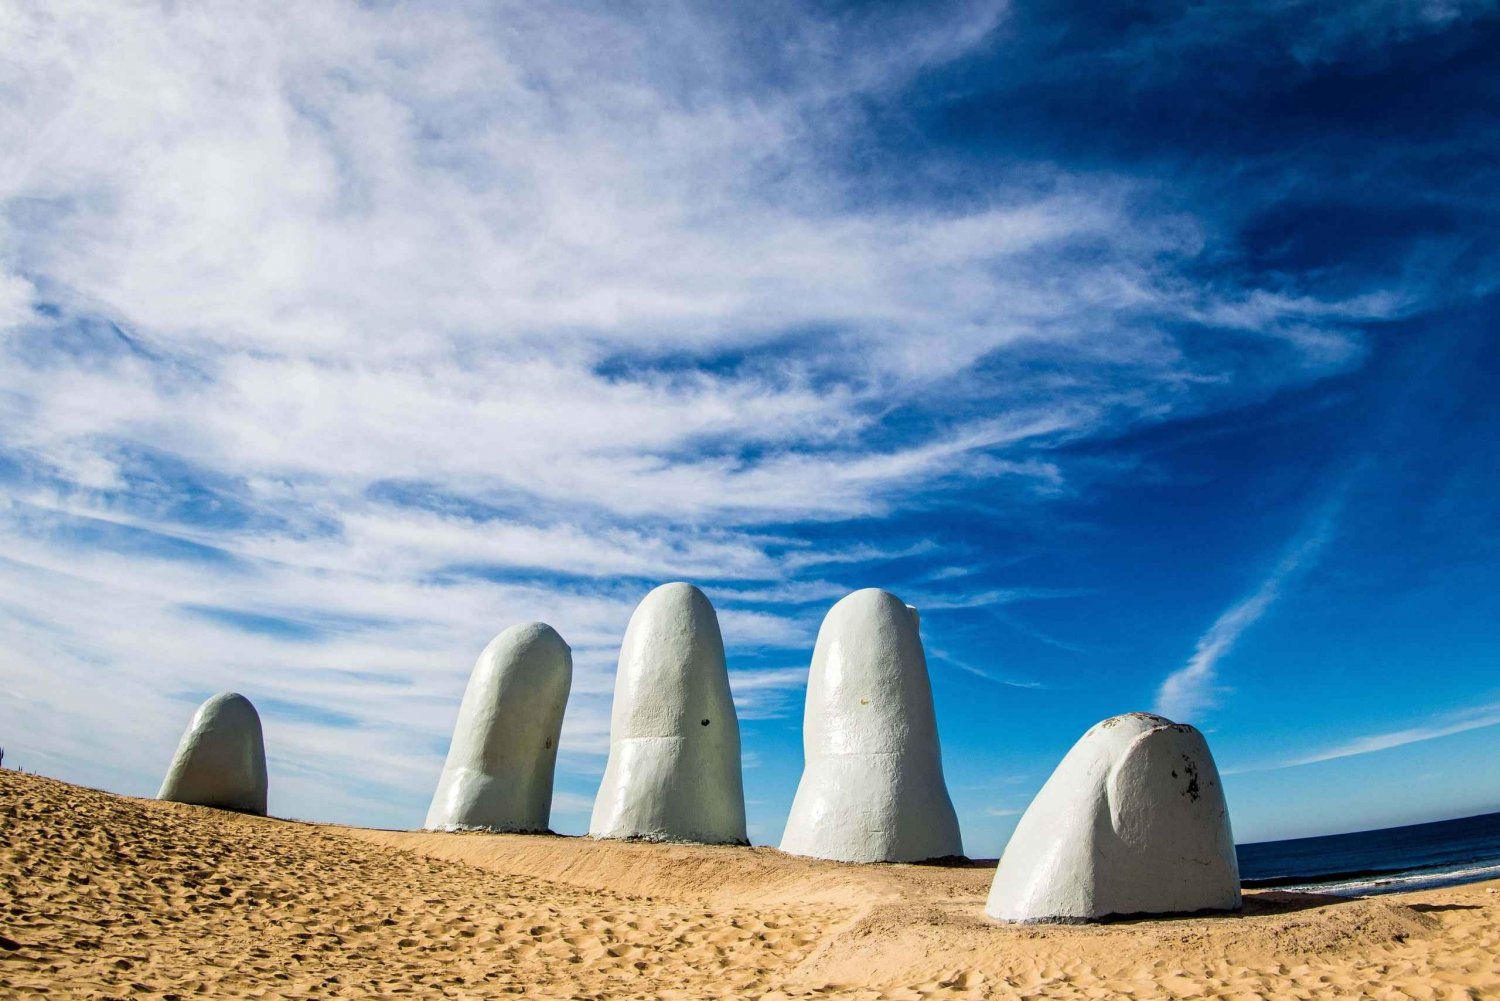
(1419, 857)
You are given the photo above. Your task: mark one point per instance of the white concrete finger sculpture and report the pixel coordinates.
(1132, 821)
(221, 759)
(872, 788)
(498, 776)
(674, 740)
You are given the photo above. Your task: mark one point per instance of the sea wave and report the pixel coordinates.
(1366, 884)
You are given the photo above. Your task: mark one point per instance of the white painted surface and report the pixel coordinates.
(498, 775)
(1132, 821)
(872, 787)
(674, 743)
(221, 759)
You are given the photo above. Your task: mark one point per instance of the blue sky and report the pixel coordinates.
(1149, 352)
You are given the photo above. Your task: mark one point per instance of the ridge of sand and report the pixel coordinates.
(103, 896)
(720, 875)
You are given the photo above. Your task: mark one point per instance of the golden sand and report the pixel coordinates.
(106, 896)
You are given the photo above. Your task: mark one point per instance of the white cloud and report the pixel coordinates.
(16, 297)
(367, 245)
(753, 680)
(1476, 718)
(937, 654)
(989, 598)
(1189, 691)
(768, 693)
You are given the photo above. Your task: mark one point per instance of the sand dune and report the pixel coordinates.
(105, 896)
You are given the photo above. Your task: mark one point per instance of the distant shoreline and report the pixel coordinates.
(1419, 856)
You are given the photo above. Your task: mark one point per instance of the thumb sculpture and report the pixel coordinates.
(221, 759)
(1133, 821)
(872, 789)
(674, 740)
(498, 775)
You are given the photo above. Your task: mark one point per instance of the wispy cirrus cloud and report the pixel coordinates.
(767, 693)
(936, 653)
(1435, 727)
(1477, 718)
(1188, 691)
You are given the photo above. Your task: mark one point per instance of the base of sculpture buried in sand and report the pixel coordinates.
(114, 897)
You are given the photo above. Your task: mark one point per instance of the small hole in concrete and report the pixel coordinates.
(703, 722)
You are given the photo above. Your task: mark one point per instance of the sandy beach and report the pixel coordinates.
(106, 896)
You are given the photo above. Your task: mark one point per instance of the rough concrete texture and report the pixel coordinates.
(872, 788)
(674, 742)
(221, 759)
(498, 775)
(1132, 821)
